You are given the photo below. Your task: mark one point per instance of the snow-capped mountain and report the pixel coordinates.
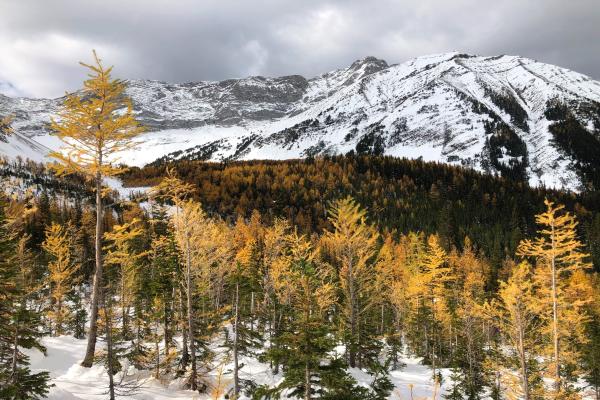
(503, 114)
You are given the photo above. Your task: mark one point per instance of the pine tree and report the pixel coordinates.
(558, 255)
(304, 286)
(61, 275)
(94, 127)
(243, 277)
(164, 263)
(20, 325)
(352, 246)
(591, 351)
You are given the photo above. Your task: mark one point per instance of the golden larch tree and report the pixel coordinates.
(61, 271)
(558, 255)
(95, 125)
(515, 313)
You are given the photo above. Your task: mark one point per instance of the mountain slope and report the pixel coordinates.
(504, 114)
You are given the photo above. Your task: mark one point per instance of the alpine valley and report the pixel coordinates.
(506, 115)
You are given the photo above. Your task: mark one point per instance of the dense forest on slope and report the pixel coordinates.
(185, 293)
(403, 195)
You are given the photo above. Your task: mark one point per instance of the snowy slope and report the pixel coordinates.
(489, 113)
(73, 382)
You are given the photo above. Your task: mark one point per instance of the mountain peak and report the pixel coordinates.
(370, 64)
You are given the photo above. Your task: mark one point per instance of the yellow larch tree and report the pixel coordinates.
(95, 125)
(515, 313)
(274, 246)
(61, 270)
(391, 282)
(435, 275)
(5, 127)
(189, 225)
(120, 253)
(464, 324)
(558, 254)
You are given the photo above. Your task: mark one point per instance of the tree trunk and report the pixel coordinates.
(236, 379)
(109, 348)
(524, 373)
(97, 283)
(15, 356)
(555, 319)
(157, 350)
(166, 329)
(193, 385)
(433, 340)
(185, 354)
(59, 320)
(352, 299)
(252, 312)
(307, 387)
(124, 308)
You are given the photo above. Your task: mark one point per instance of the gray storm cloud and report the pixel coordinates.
(190, 40)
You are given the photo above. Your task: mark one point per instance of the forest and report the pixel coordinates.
(317, 268)
(403, 196)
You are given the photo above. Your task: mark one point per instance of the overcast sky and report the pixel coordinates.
(41, 41)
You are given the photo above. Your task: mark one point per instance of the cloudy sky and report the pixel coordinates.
(41, 41)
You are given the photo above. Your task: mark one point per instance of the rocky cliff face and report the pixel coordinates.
(507, 115)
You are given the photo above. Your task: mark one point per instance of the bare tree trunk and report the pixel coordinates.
(88, 360)
(236, 379)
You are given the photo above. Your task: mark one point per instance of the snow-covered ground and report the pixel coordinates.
(73, 382)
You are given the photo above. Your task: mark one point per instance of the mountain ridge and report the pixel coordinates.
(502, 114)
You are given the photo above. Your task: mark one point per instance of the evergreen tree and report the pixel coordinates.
(591, 351)
(304, 286)
(352, 246)
(20, 324)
